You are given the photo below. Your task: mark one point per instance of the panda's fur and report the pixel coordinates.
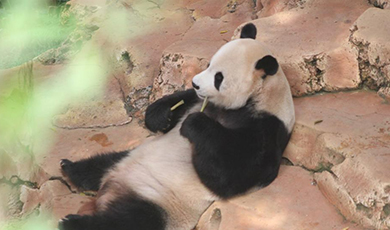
(233, 147)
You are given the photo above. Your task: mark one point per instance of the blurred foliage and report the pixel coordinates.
(28, 101)
(13, 109)
(34, 222)
(29, 28)
(27, 110)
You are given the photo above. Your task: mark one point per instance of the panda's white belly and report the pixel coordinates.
(161, 171)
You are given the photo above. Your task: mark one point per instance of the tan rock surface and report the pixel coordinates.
(97, 112)
(310, 42)
(370, 37)
(21, 167)
(185, 58)
(53, 197)
(292, 201)
(383, 4)
(131, 36)
(268, 8)
(340, 69)
(82, 143)
(346, 134)
(215, 9)
(151, 27)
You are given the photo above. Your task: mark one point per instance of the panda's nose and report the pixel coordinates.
(195, 85)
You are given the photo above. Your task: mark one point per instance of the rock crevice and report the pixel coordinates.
(369, 37)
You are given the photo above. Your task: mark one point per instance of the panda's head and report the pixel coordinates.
(239, 70)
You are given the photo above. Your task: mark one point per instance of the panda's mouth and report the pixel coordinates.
(200, 96)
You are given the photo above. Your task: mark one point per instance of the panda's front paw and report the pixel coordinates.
(193, 125)
(158, 117)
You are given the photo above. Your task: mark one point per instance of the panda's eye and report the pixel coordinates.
(218, 78)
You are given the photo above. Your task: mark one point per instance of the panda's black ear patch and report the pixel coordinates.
(248, 31)
(269, 64)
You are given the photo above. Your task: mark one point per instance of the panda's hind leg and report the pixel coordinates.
(86, 174)
(124, 213)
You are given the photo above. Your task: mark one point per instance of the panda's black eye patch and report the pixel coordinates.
(218, 78)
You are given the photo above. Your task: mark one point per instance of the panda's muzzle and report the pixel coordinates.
(195, 86)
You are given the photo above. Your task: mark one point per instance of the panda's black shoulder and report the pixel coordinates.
(264, 127)
(267, 128)
(271, 126)
(246, 153)
(261, 122)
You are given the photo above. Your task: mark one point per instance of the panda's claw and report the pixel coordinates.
(61, 223)
(65, 162)
(63, 220)
(71, 221)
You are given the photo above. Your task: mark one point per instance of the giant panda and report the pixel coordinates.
(231, 148)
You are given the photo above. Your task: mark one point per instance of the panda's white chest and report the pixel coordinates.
(162, 163)
(161, 171)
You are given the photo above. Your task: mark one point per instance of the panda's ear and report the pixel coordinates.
(269, 64)
(248, 31)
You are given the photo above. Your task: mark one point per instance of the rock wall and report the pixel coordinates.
(316, 46)
(382, 4)
(344, 140)
(370, 37)
(190, 55)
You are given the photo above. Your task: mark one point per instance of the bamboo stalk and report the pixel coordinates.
(177, 105)
(204, 104)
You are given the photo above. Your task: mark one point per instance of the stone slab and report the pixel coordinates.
(268, 8)
(308, 42)
(292, 201)
(187, 57)
(370, 37)
(78, 144)
(52, 198)
(345, 139)
(382, 4)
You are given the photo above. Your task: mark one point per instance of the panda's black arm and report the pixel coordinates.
(158, 115)
(232, 161)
